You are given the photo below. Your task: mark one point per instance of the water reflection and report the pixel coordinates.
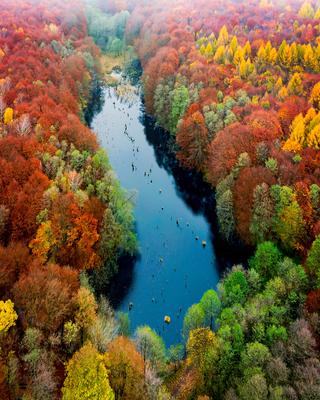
(174, 213)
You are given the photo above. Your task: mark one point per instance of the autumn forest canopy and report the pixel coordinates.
(236, 85)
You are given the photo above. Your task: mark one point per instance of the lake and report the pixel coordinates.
(180, 255)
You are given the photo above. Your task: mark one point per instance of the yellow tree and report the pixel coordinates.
(313, 139)
(200, 342)
(283, 93)
(273, 56)
(297, 137)
(247, 49)
(238, 56)
(87, 376)
(306, 10)
(295, 85)
(126, 368)
(234, 44)
(298, 130)
(284, 55)
(310, 116)
(43, 242)
(208, 50)
(8, 316)
(202, 49)
(86, 308)
(8, 115)
(243, 69)
(309, 60)
(278, 85)
(315, 96)
(292, 146)
(294, 54)
(223, 36)
(219, 57)
(262, 55)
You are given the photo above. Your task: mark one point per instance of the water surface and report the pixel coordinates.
(177, 261)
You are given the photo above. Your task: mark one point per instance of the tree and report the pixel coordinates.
(211, 306)
(126, 367)
(226, 147)
(313, 139)
(288, 221)
(225, 214)
(295, 85)
(194, 318)
(8, 316)
(256, 355)
(313, 259)
(201, 342)
(223, 36)
(124, 323)
(86, 308)
(315, 96)
(44, 296)
(14, 259)
(180, 102)
(192, 138)
(150, 346)
(254, 388)
(234, 288)
(284, 55)
(8, 115)
(263, 209)
(266, 260)
(43, 242)
(87, 376)
(243, 194)
(219, 56)
(306, 10)
(298, 133)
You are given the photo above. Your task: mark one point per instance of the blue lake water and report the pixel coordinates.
(171, 211)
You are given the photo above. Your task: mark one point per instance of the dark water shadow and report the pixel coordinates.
(95, 101)
(197, 194)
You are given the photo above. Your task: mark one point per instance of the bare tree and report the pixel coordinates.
(23, 125)
(2, 107)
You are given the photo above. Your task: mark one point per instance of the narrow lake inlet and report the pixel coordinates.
(177, 260)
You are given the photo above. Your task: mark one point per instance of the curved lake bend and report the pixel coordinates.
(171, 207)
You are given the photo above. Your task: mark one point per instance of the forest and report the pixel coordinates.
(236, 84)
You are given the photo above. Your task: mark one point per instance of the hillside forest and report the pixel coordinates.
(236, 84)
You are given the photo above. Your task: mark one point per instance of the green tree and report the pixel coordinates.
(116, 47)
(263, 210)
(288, 222)
(124, 323)
(211, 306)
(225, 214)
(195, 318)
(256, 356)
(179, 104)
(87, 376)
(234, 288)
(254, 388)
(313, 259)
(266, 260)
(151, 346)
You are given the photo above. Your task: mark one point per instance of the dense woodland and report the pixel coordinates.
(237, 85)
